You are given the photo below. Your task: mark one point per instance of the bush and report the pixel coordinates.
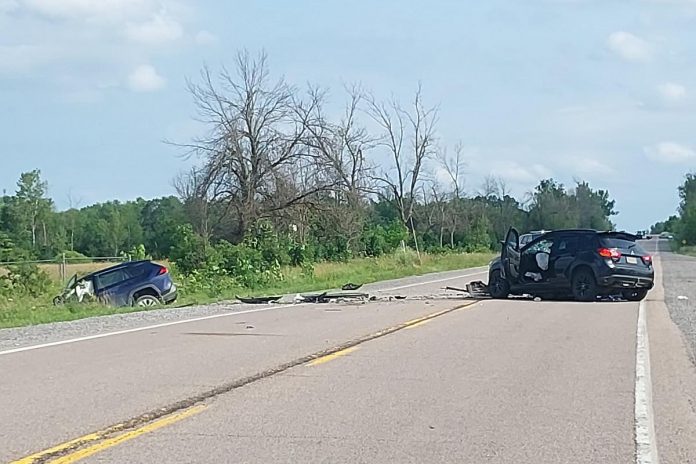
(25, 279)
(189, 251)
(72, 256)
(300, 254)
(407, 258)
(247, 264)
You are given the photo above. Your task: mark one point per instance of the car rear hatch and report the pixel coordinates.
(625, 255)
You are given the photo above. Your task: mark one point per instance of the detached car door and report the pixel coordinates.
(510, 256)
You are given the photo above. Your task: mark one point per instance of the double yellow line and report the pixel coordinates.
(77, 449)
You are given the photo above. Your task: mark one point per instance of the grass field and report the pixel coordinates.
(30, 311)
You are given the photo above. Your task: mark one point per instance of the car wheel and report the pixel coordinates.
(584, 286)
(147, 301)
(58, 301)
(498, 287)
(635, 295)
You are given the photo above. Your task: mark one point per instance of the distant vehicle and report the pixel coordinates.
(667, 235)
(580, 263)
(135, 283)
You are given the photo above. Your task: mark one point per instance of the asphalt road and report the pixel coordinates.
(422, 380)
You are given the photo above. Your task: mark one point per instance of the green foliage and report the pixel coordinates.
(406, 258)
(72, 257)
(26, 279)
(189, 252)
(478, 240)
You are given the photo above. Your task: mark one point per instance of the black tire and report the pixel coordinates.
(637, 294)
(498, 287)
(58, 301)
(147, 301)
(584, 285)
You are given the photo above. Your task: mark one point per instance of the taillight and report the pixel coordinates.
(647, 259)
(162, 270)
(611, 253)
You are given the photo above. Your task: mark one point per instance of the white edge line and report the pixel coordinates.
(140, 329)
(646, 444)
(196, 319)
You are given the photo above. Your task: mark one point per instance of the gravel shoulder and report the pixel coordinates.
(679, 280)
(429, 285)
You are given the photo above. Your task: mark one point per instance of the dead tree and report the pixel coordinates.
(453, 166)
(408, 135)
(340, 150)
(254, 143)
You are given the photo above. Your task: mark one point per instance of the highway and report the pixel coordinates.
(420, 380)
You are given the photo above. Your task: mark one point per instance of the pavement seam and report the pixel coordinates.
(151, 416)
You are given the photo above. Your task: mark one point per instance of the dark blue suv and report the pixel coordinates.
(135, 283)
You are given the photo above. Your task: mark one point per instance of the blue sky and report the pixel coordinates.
(603, 90)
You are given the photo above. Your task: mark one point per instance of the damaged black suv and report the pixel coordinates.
(578, 263)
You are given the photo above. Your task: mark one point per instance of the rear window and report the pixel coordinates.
(621, 244)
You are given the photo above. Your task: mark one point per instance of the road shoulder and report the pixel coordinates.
(674, 381)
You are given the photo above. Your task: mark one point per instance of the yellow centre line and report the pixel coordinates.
(332, 356)
(63, 446)
(418, 324)
(107, 443)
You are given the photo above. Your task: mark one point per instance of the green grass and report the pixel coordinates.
(30, 311)
(689, 250)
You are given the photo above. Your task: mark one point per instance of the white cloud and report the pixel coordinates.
(205, 38)
(157, 30)
(670, 152)
(144, 78)
(630, 47)
(90, 9)
(587, 165)
(672, 92)
(514, 172)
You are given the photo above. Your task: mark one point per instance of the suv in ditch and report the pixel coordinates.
(135, 283)
(584, 264)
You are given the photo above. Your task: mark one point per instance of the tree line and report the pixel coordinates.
(282, 179)
(683, 224)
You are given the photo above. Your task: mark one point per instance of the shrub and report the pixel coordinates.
(407, 258)
(189, 251)
(72, 256)
(25, 279)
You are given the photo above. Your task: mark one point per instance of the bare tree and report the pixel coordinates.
(454, 167)
(254, 144)
(340, 150)
(409, 137)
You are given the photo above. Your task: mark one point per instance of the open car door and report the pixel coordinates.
(510, 256)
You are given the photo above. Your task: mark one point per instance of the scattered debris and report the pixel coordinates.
(351, 286)
(477, 289)
(250, 327)
(328, 297)
(455, 289)
(259, 299)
